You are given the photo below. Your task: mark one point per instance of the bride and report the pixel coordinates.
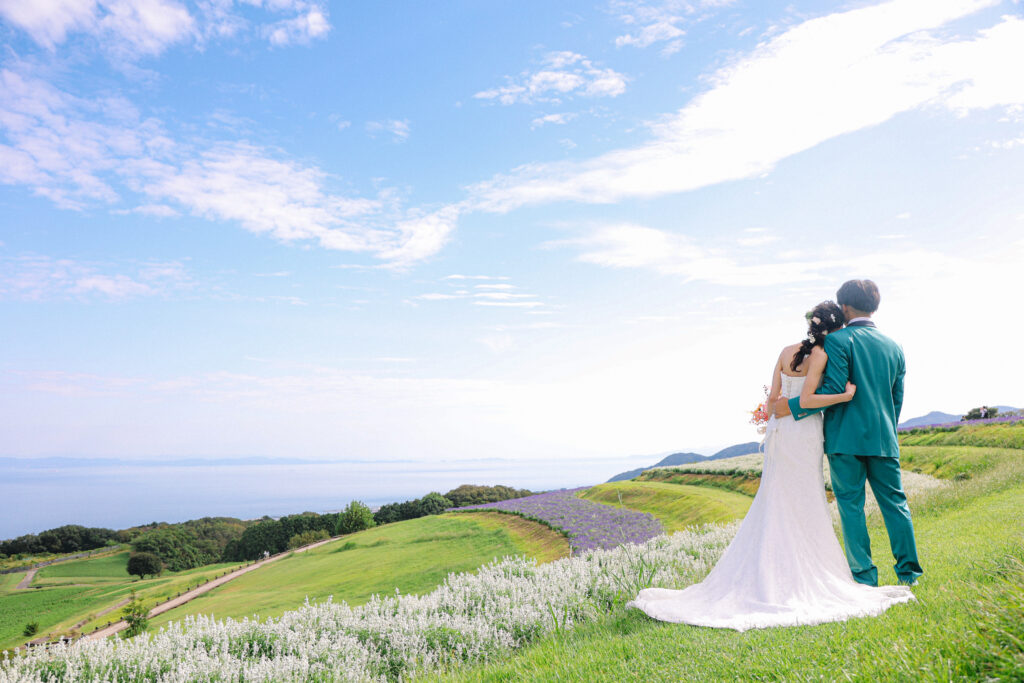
(784, 567)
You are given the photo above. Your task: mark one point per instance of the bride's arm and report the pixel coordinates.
(815, 368)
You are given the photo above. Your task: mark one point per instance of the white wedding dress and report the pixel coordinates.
(784, 567)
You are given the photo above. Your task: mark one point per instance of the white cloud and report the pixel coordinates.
(80, 152)
(399, 129)
(485, 293)
(48, 22)
(557, 119)
(475, 277)
(561, 74)
(659, 22)
(820, 79)
(635, 246)
(130, 29)
(35, 277)
(155, 210)
(302, 29)
(127, 27)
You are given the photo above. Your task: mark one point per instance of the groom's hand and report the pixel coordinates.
(782, 408)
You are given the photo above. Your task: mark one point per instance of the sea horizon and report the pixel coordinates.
(44, 492)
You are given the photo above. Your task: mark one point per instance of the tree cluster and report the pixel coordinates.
(431, 504)
(190, 544)
(471, 494)
(272, 536)
(980, 413)
(70, 538)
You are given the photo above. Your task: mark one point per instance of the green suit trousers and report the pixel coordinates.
(849, 473)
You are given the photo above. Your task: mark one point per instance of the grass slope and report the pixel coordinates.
(677, 506)
(413, 556)
(746, 483)
(967, 624)
(67, 594)
(111, 567)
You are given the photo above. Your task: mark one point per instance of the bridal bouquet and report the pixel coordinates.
(759, 416)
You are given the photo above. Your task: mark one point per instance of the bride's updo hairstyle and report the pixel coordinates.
(824, 318)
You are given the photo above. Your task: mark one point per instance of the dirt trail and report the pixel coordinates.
(26, 580)
(206, 587)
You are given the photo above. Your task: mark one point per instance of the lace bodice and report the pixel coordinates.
(791, 386)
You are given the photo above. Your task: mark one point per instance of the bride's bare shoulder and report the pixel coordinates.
(787, 354)
(789, 351)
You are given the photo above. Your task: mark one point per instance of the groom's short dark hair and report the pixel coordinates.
(860, 294)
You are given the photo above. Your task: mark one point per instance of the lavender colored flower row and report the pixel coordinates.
(589, 525)
(1000, 419)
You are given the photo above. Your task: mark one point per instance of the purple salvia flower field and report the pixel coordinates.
(589, 525)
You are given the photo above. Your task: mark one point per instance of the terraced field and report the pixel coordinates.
(412, 556)
(677, 505)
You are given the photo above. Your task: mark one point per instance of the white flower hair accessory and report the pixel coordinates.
(815, 320)
(832, 316)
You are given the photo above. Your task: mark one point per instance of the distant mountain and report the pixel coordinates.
(687, 458)
(934, 417)
(938, 417)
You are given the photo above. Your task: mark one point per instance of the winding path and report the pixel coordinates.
(195, 592)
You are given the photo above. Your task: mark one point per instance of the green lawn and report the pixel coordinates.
(9, 581)
(51, 608)
(73, 592)
(967, 623)
(413, 556)
(107, 567)
(951, 462)
(676, 505)
(993, 436)
(746, 483)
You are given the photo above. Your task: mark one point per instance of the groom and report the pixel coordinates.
(860, 436)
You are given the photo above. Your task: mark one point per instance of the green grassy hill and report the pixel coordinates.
(67, 598)
(413, 556)
(677, 506)
(967, 623)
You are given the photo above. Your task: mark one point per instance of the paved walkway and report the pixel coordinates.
(195, 592)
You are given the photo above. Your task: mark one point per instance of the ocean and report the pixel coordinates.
(38, 494)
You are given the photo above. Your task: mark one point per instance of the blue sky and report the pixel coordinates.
(527, 230)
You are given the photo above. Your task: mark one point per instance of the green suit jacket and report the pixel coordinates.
(867, 424)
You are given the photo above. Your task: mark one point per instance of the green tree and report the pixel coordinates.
(136, 615)
(31, 628)
(143, 564)
(307, 537)
(355, 517)
(976, 413)
(432, 504)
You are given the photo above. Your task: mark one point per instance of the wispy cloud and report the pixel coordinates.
(82, 152)
(557, 119)
(651, 23)
(560, 75)
(36, 277)
(399, 129)
(501, 294)
(818, 80)
(632, 246)
(130, 29)
(309, 24)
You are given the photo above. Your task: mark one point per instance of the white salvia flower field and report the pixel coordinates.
(471, 617)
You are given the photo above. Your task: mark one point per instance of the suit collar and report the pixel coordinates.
(860, 322)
